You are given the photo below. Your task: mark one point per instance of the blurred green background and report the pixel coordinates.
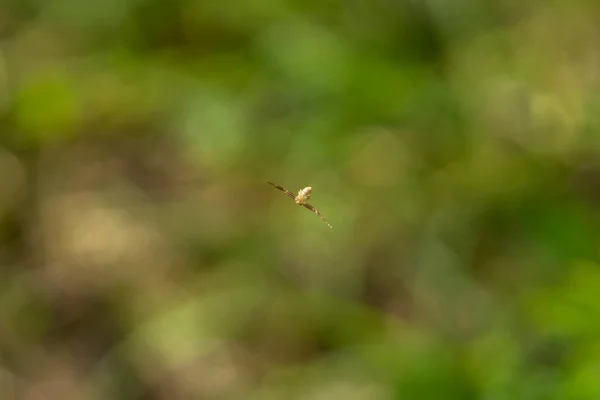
(453, 145)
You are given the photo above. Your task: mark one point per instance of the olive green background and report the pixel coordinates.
(453, 145)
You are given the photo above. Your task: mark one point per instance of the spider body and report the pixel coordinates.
(301, 199)
(303, 196)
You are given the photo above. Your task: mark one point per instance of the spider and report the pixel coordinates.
(301, 199)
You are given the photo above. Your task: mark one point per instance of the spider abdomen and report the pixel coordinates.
(303, 196)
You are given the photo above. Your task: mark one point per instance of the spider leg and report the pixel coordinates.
(284, 190)
(311, 208)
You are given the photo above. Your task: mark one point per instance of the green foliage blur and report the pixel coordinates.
(454, 146)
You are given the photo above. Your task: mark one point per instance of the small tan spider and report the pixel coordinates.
(301, 199)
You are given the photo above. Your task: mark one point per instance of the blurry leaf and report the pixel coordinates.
(214, 126)
(310, 57)
(108, 14)
(570, 310)
(496, 376)
(47, 108)
(582, 379)
(561, 227)
(419, 367)
(246, 14)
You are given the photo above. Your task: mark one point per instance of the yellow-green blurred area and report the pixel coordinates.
(454, 146)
